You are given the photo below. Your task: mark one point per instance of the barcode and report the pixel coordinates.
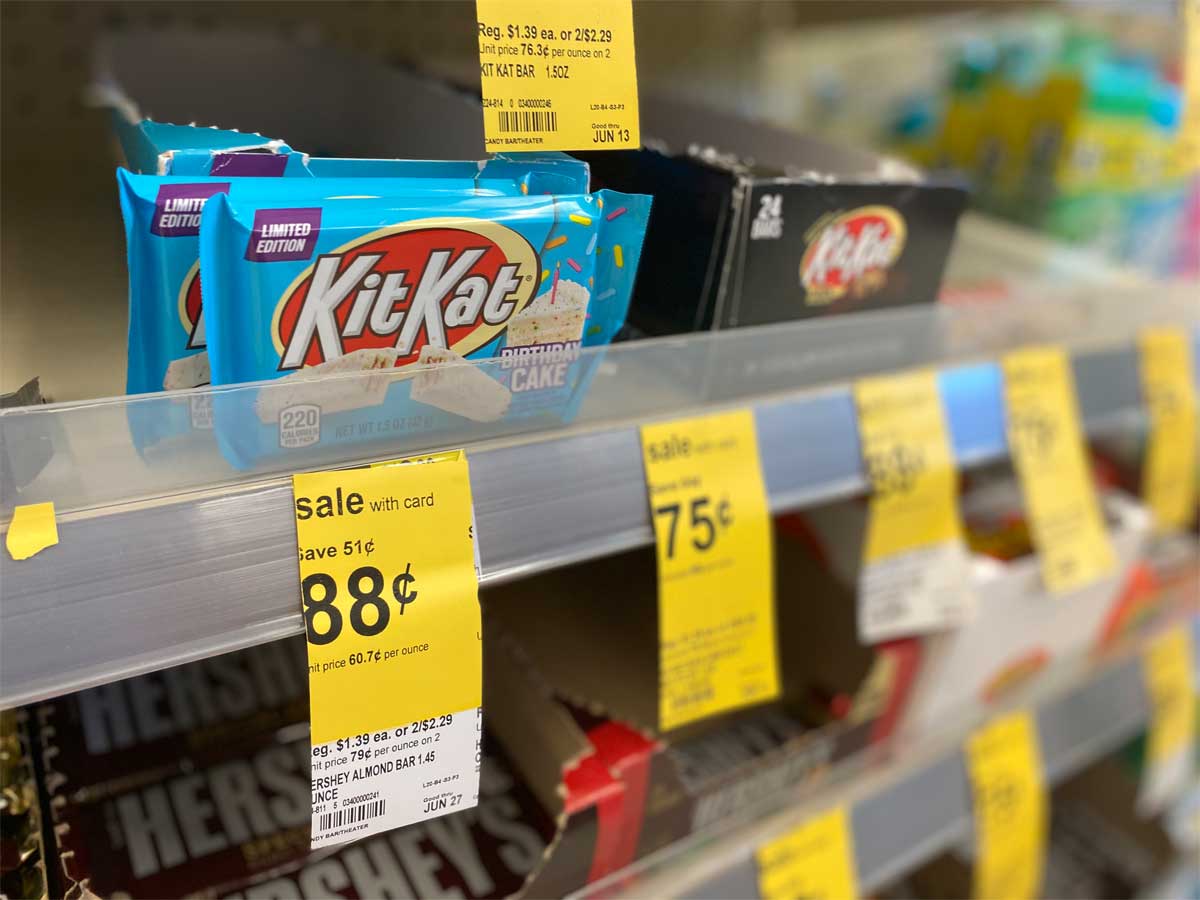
(528, 120)
(350, 815)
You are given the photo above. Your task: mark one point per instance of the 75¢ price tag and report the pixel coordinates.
(558, 76)
(1048, 452)
(389, 592)
(1009, 799)
(815, 860)
(716, 566)
(915, 573)
(1169, 391)
(1167, 667)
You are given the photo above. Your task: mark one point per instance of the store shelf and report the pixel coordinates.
(907, 812)
(169, 557)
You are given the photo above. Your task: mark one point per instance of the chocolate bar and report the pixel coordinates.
(196, 781)
(107, 738)
(240, 828)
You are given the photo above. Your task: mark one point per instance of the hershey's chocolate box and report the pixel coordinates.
(240, 828)
(680, 785)
(114, 736)
(196, 782)
(753, 224)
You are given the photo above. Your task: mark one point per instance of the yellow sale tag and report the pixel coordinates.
(915, 574)
(1168, 667)
(716, 566)
(814, 861)
(1169, 474)
(389, 593)
(1048, 452)
(1189, 132)
(1009, 799)
(558, 76)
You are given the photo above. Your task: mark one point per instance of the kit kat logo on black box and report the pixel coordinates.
(449, 282)
(281, 235)
(177, 208)
(850, 253)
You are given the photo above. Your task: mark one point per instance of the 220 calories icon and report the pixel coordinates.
(705, 521)
(319, 590)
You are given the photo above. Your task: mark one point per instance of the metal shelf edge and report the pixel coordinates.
(909, 819)
(153, 585)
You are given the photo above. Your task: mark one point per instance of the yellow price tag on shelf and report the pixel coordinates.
(814, 861)
(1011, 810)
(1168, 667)
(558, 76)
(915, 574)
(1048, 452)
(716, 566)
(389, 592)
(1189, 131)
(1169, 389)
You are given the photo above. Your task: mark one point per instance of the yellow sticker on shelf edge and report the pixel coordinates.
(390, 599)
(1010, 805)
(915, 575)
(716, 566)
(814, 861)
(1168, 667)
(558, 76)
(1050, 457)
(1169, 391)
(33, 528)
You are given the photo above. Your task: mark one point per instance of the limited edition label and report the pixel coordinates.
(716, 567)
(389, 589)
(558, 76)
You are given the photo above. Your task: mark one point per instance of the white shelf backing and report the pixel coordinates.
(162, 561)
(919, 807)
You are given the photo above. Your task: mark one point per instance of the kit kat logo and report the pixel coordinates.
(191, 315)
(450, 282)
(850, 253)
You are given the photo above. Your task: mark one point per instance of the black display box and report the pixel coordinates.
(753, 224)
